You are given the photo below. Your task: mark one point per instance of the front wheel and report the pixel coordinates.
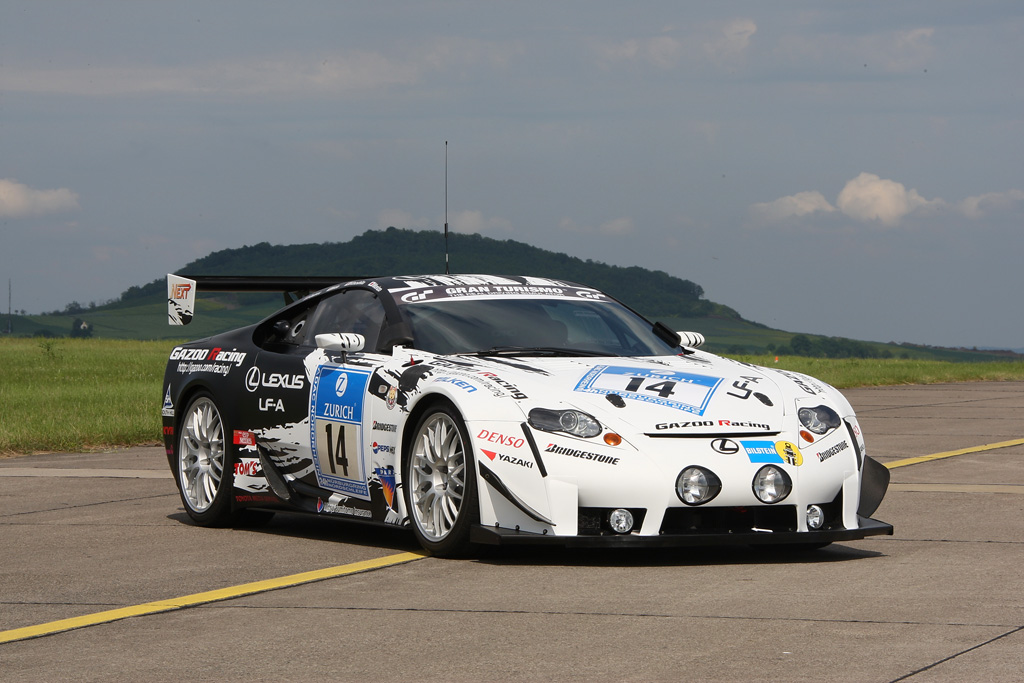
(440, 483)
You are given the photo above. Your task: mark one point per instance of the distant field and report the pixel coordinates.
(68, 395)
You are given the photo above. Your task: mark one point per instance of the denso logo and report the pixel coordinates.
(503, 439)
(254, 379)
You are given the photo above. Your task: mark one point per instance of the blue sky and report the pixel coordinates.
(851, 169)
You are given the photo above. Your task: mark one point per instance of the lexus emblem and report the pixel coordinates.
(252, 379)
(725, 446)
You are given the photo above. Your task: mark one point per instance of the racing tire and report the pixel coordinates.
(439, 483)
(203, 463)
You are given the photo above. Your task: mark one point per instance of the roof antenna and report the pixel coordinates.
(446, 270)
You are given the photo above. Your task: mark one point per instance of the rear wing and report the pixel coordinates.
(181, 289)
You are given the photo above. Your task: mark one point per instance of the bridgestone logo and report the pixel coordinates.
(583, 455)
(826, 454)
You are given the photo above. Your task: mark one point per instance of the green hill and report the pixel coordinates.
(141, 312)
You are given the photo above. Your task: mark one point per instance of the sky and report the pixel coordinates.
(849, 169)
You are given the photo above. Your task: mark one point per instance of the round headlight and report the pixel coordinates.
(815, 517)
(819, 419)
(771, 484)
(621, 521)
(696, 485)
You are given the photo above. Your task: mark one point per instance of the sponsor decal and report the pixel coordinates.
(268, 404)
(761, 451)
(256, 378)
(744, 392)
(503, 439)
(384, 427)
(582, 455)
(386, 475)
(382, 448)
(168, 407)
(217, 355)
(807, 384)
(180, 291)
(244, 438)
(392, 397)
(680, 390)
(339, 509)
(512, 389)
(773, 452)
(256, 498)
(336, 408)
(508, 458)
(829, 452)
(460, 383)
(712, 423)
(248, 467)
(168, 431)
(788, 451)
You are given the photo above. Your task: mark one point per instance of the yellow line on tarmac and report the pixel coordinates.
(204, 598)
(949, 454)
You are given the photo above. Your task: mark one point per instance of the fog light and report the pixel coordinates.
(696, 485)
(815, 517)
(621, 521)
(771, 484)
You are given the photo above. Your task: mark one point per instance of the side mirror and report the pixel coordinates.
(344, 342)
(692, 340)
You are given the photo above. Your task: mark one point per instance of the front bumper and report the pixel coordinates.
(866, 527)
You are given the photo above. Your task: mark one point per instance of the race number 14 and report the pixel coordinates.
(662, 387)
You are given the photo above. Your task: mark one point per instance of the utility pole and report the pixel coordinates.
(10, 320)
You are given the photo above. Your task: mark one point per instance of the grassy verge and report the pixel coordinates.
(847, 373)
(79, 394)
(70, 395)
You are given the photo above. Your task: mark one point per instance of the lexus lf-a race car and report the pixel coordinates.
(477, 409)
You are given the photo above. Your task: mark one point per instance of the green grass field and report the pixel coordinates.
(69, 395)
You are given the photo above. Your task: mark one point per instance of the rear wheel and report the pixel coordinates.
(205, 477)
(440, 482)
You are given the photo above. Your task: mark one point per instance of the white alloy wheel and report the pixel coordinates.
(440, 483)
(202, 455)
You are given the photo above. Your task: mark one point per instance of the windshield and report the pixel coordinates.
(532, 326)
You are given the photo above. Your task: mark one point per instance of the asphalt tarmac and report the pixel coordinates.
(943, 599)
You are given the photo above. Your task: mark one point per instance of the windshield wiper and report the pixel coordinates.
(539, 351)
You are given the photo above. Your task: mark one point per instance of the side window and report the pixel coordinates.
(286, 332)
(353, 310)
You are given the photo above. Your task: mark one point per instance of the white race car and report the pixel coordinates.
(478, 409)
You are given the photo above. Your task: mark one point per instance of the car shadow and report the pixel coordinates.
(671, 557)
(327, 529)
(337, 530)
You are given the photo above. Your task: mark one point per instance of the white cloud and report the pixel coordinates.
(982, 205)
(322, 74)
(617, 226)
(471, 221)
(869, 198)
(19, 201)
(732, 40)
(614, 227)
(799, 204)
